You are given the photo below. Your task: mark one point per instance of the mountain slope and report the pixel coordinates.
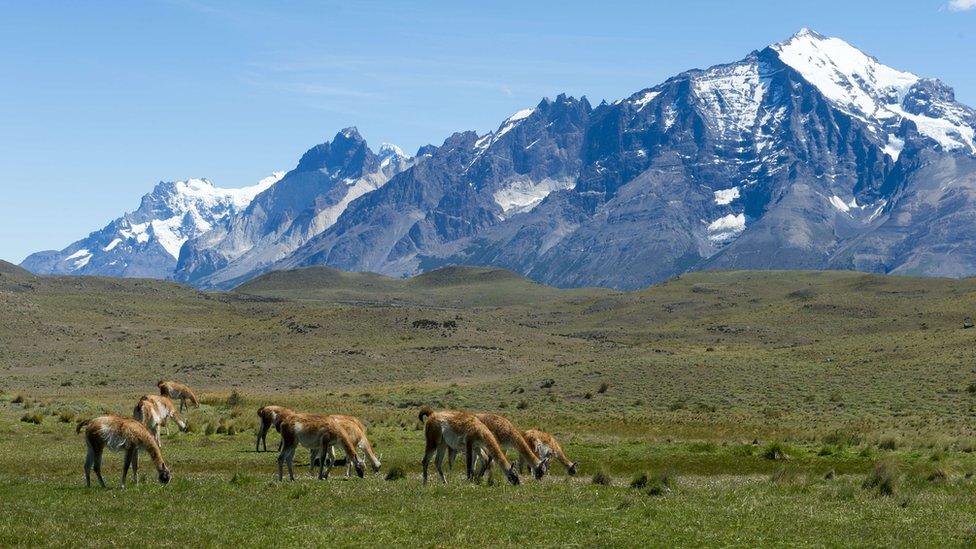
(146, 242)
(307, 200)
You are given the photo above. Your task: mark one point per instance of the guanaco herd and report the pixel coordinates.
(483, 438)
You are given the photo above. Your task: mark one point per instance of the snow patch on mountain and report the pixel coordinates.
(730, 96)
(724, 197)
(726, 227)
(524, 194)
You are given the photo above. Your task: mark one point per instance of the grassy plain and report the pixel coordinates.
(766, 398)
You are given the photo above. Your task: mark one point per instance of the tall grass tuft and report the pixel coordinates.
(602, 478)
(883, 479)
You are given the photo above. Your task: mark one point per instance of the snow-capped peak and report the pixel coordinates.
(853, 80)
(389, 149)
(863, 87)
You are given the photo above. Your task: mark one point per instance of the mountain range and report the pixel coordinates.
(805, 154)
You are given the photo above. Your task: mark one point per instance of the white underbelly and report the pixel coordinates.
(453, 439)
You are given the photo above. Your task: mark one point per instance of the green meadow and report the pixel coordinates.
(761, 408)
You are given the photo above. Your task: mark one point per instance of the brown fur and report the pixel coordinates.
(120, 434)
(270, 417)
(318, 433)
(357, 433)
(154, 412)
(534, 437)
(450, 429)
(508, 435)
(178, 391)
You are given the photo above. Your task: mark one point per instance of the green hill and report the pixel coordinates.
(460, 287)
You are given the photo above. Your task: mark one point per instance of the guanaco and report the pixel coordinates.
(357, 433)
(509, 436)
(118, 434)
(178, 391)
(460, 431)
(546, 446)
(270, 417)
(154, 412)
(319, 434)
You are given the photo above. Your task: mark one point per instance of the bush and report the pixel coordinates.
(235, 399)
(602, 478)
(66, 416)
(209, 429)
(231, 429)
(659, 484)
(34, 418)
(938, 475)
(775, 451)
(19, 399)
(640, 481)
(603, 387)
(888, 443)
(588, 396)
(395, 473)
(883, 478)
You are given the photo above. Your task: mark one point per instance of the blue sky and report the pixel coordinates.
(100, 100)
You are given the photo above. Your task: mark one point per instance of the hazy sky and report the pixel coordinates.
(100, 100)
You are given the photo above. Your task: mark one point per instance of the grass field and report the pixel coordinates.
(767, 400)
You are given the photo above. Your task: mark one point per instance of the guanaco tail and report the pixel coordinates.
(120, 434)
(178, 391)
(319, 434)
(154, 412)
(270, 417)
(462, 432)
(546, 446)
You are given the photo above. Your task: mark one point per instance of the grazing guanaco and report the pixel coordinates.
(546, 446)
(270, 417)
(460, 431)
(509, 436)
(178, 391)
(319, 434)
(118, 434)
(154, 412)
(357, 433)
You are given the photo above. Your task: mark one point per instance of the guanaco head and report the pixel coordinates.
(164, 475)
(512, 475)
(541, 469)
(360, 468)
(572, 468)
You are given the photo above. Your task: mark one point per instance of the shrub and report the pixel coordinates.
(34, 418)
(603, 387)
(775, 451)
(231, 429)
(66, 416)
(883, 478)
(235, 399)
(938, 475)
(588, 396)
(209, 429)
(640, 481)
(395, 473)
(659, 484)
(602, 478)
(522, 405)
(888, 443)
(19, 399)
